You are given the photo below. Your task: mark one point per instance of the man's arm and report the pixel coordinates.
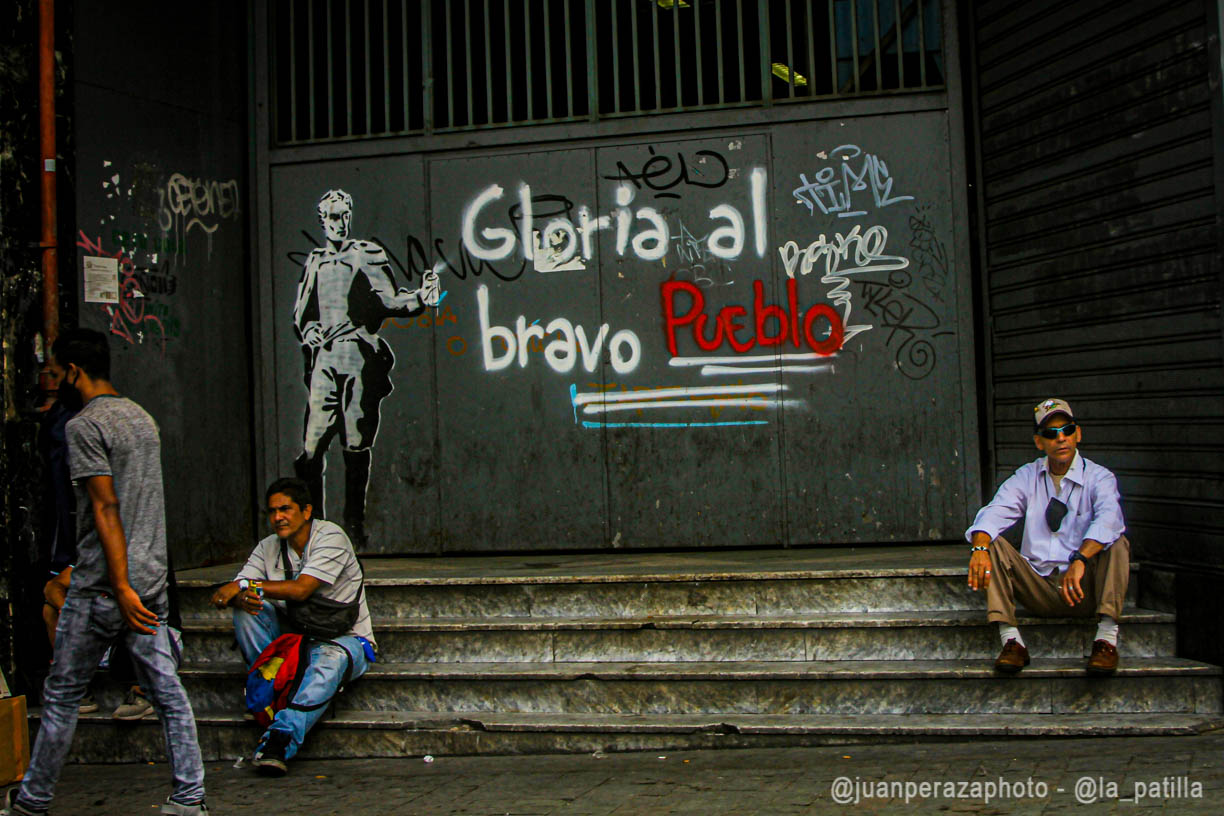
(105, 506)
(254, 570)
(397, 302)
(56, 590)
(1005, 509)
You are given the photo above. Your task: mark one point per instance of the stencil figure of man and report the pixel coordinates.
(346, 292)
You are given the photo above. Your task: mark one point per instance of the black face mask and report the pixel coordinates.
(70, 396)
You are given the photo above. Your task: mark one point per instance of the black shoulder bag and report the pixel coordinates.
(321, 618)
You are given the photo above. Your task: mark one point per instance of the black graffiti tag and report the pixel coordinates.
(660, 174)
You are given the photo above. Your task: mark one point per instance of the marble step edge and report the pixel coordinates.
(1134, 724)
(194, 580)
(827, 620)
(746, 670)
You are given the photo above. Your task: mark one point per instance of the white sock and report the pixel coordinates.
(1008, 632)
(1107, 630)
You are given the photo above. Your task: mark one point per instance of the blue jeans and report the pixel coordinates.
(323, 677)
(87, 626)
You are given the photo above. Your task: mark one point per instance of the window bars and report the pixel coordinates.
(346, 69)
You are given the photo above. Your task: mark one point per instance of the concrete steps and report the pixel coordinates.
(625, 651)
(226, 737)
(937, 635)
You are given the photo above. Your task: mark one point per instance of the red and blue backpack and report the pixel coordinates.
(275, 676)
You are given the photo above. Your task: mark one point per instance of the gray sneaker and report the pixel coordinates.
(135, 706)
(173, 808)
(13, 808)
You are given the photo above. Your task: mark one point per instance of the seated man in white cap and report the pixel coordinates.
(1073, 559)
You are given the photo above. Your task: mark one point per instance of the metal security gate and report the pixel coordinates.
(1101, 251)
(343, 70)
(681, 330)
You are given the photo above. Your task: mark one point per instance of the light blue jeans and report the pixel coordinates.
(88, 624)
(323, 675)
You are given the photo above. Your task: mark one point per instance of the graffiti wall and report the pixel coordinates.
(160, 250)
(723, 339)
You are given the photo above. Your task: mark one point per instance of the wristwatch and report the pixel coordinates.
(243, 584)
(1077, 556)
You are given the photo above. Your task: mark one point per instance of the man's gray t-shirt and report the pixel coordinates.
(328, 557)
(113, 436)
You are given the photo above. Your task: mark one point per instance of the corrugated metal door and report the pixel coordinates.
(1101, 255)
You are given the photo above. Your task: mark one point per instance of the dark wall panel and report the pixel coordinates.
(161, 193)
(1102, 248)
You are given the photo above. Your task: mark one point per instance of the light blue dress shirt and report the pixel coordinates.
(1093, 511)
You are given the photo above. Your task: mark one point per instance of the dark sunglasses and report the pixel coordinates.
(1055, 512)
(1052, 433)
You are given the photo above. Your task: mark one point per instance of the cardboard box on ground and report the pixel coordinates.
(14, 735)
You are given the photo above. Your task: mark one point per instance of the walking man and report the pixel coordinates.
(304, 558)
(1073, 559)
(118, 587)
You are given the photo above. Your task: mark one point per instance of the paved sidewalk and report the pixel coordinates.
(1183, 775)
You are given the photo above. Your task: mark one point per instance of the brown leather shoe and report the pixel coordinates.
(1012, 659)
(1104, 658)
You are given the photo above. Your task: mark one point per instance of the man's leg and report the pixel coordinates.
(78, 648)
(1109, 573)
(156, 663)
(255, 632)
(1012, 579)
(1106, 575)
(326, 671)
(356, 481)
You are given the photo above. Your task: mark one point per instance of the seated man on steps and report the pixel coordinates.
(1073, 559)
(268, 597)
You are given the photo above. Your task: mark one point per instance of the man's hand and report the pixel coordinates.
(430, 289)
(224, 595)
(1070, 588)
(56, 590)
(979, 570)
(312, 335)
(250, 602)
(138, 618)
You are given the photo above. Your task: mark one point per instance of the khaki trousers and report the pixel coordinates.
(1012, 579)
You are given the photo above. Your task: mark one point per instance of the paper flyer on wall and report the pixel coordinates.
(101, 279)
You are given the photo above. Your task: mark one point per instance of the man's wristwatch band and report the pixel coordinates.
(1077, 556)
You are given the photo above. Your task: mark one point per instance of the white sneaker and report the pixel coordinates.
(172, 808)
(135, 706)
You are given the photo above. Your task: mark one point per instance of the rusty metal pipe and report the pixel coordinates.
(46, 139)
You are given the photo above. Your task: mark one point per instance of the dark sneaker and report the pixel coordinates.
(135, 706)
(1012, 659)
(270, 757)
(173, 808)
(1104, 658)
(88, 705)
(13, 808)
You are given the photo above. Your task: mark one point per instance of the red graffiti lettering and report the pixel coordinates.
(793, 325)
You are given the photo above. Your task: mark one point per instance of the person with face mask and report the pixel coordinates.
(1073, 561)
(119, 583)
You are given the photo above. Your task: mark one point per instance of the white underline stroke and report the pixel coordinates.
(794, 369)
(677, 392)
(764, 402)
(747, 359)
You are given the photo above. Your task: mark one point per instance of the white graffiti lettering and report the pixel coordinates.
(563, 240)
(864, 251)
(835, 195)
(561, 353)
